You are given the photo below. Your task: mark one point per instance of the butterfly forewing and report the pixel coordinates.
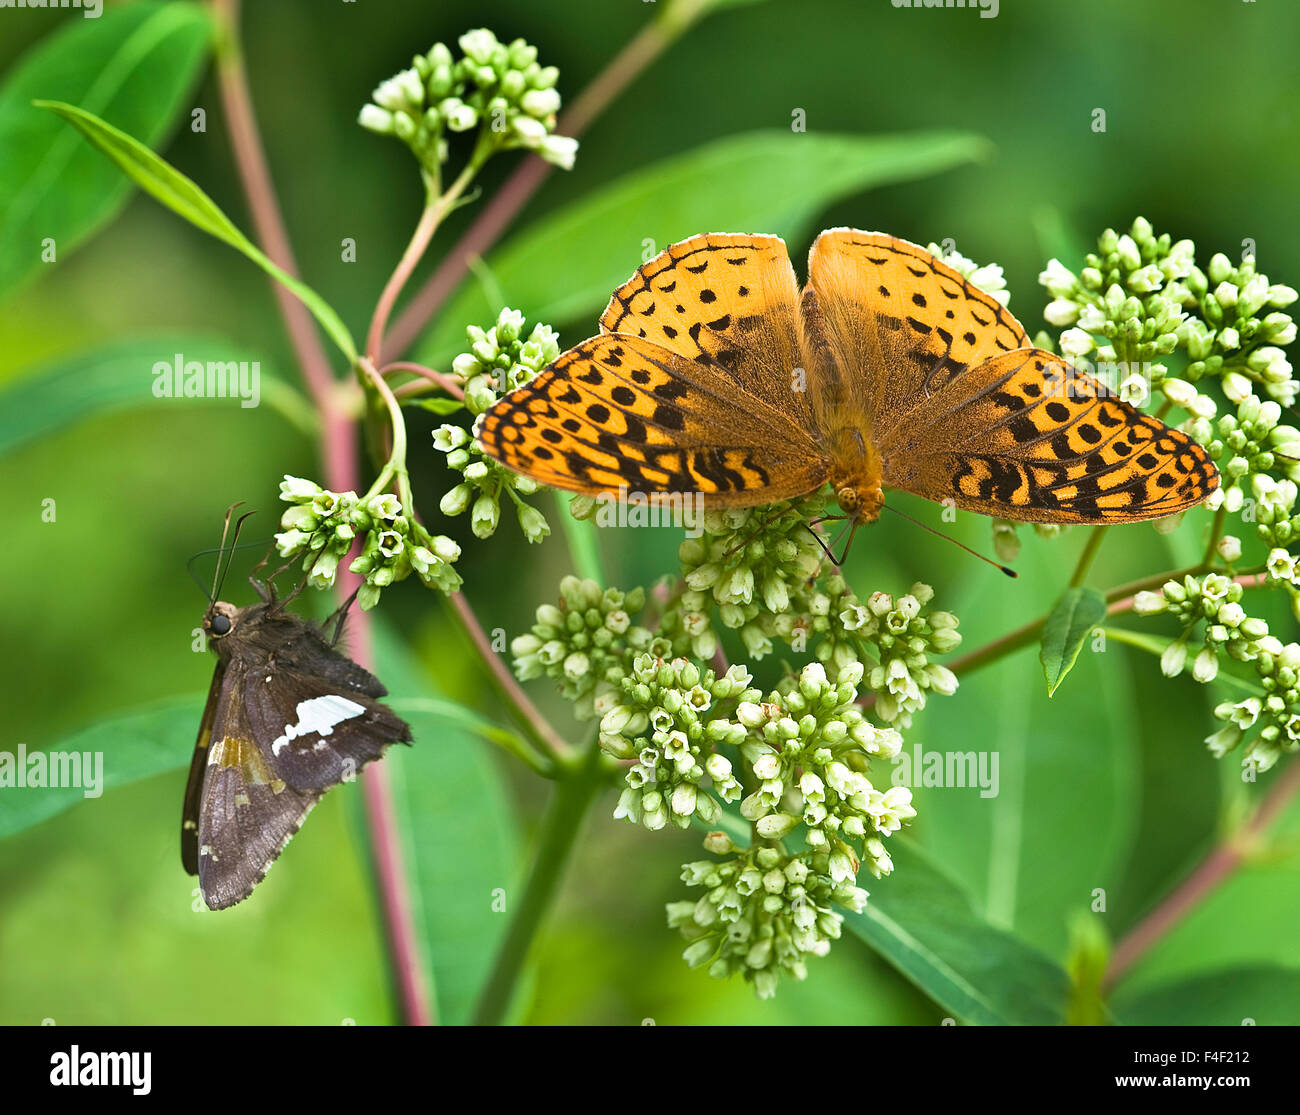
(194, 784)
(1028, 437)
(617, 412)
(900, 323)
(248, 813)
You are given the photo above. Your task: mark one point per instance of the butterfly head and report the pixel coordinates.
(219, 621)
(860, 502)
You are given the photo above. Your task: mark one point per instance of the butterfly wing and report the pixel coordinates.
(618, 411)
(896, 324)
(960, 405)
(320, 733)
(247, 812)
(728, 299)
(194, 784)
(1025, 436)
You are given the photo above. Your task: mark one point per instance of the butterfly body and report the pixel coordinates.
(287, 718)
(715, 374)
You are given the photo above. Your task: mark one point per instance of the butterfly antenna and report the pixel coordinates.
(960, 545)
(230, 553)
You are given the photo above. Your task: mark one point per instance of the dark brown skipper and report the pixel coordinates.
(288, 716)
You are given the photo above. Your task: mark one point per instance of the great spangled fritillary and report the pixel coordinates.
(714, 374)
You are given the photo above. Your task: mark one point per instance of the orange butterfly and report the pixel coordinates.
(714, 374)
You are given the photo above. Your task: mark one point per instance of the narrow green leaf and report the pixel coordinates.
(563, 268)
(119, 375)
(183, 196)
(129, 747)
(135, 66)
(440, 405)
(462, 848)
(1077, 612)
(1267, 994)
(920, 922)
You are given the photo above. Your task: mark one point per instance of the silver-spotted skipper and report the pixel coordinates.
(288, 716)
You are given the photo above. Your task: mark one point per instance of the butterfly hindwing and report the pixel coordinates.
(320, 733)
(1025, 436)
(619, 412)
(899, 323)
(247, 812)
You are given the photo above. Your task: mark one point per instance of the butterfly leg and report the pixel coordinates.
(757, 530)
(339, 615)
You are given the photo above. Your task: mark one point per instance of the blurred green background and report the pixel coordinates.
(1107, 786)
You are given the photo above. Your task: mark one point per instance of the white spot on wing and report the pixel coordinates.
(319, 715)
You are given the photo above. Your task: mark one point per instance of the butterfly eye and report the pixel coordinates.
(219, 625)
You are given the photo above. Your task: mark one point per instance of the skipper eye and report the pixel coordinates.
(219, 625)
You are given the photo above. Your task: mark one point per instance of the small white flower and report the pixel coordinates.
(1173, 659)
(1061, 311)
(1075, 342)
(560, 151)
(1058, 279)
(1149, 603)
(1206, 667)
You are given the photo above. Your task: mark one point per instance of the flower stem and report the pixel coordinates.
(505, 205)
(1216, 532)
(1222, 861)
(449, 384)
(339, 460)
(538, 727)
(1089, 553)
(434, 212)
(395, 467)
(573, 795)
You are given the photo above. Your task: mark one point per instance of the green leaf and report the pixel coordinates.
(1077, 612)
(441, 405)
(136, 66)
(564, 267)
(182, 195)
(1052, 815)
(1268, 994)
(920, 921)
(461, 844)
(120, 375)
(131, 746)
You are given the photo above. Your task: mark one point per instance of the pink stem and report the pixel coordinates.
(448, 383)
(255, 175)
(496, 216)
(1213, 870)
(339, 452)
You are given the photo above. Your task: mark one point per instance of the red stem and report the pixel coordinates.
(1213, 870)
(496, 216)
(339, 454)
